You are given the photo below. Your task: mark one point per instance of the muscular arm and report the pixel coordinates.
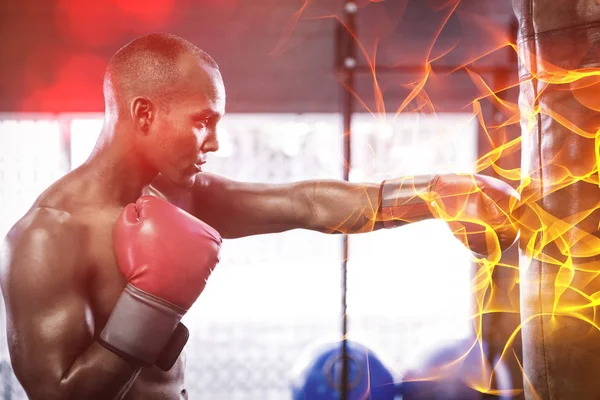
(477, 208)
(341, 207)
(50, 332)
(238, 209)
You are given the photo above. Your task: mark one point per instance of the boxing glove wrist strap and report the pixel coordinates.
(405, 200)
(140, 326)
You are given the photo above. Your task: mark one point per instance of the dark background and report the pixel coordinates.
(275, 55)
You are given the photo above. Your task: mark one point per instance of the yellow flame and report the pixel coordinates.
(540, 230)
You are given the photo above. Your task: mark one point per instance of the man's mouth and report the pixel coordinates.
(198, 165)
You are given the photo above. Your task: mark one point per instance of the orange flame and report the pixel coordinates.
(539, 228)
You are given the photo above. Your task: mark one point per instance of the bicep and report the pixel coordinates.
(239, 209)
(46, 310)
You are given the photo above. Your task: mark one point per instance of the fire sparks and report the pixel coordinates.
(491, 66)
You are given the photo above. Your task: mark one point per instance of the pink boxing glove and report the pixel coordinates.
(476, 207)
(166, 255)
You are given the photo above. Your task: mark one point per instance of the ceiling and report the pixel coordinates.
(275, 55)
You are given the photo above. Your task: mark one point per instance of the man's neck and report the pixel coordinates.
(116, 165)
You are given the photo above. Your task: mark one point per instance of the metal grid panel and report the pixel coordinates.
(275, 295)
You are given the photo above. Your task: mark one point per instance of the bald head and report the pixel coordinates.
(154, 66)
(164, 98)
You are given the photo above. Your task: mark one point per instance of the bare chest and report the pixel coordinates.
(105, 286)
(105, 280)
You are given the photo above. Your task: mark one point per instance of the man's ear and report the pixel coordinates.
(143, 113)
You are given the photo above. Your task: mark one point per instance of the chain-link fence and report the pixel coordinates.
(275, 295)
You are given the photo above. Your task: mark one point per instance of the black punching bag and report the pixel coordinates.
(559, 55)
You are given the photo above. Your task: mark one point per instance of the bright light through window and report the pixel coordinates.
(31, 158)
(409, 288)
(84, 133)
(413, 281)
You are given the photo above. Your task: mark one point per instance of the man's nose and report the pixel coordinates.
(211, 143)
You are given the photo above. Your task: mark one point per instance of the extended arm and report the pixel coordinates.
(238, 209)
(50, 334)
(476, 207)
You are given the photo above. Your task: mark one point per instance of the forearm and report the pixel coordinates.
(96, 374)
(238, 209)
(477, 208)
(345, 207)
(333, 206)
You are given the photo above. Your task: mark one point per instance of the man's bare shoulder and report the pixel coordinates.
(43, 220)
(43, 245)
(69, 194)
(59, 213)
(44, 226)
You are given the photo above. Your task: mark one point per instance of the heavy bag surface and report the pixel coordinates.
(559, 59)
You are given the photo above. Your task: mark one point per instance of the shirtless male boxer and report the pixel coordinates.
(95, 286)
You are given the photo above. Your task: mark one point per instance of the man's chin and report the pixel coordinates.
(183, 181)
